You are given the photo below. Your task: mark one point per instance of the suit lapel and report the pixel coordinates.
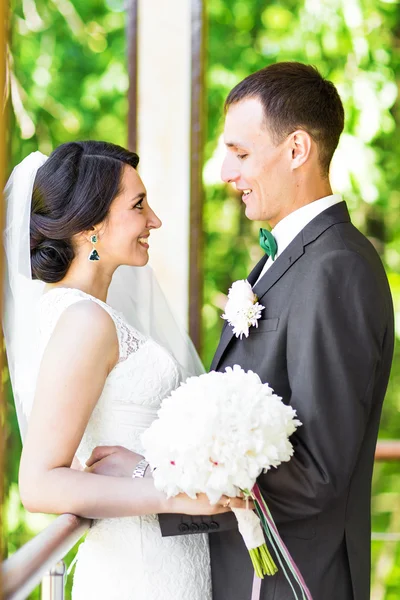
(286, 260)
(256, 272)
(338, 213)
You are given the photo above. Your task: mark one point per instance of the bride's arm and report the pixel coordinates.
(80, 354)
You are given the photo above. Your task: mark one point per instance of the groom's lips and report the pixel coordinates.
(246, 193)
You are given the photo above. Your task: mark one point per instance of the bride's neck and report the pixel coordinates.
(91, 278)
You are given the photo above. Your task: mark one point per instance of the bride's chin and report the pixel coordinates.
(139, 261)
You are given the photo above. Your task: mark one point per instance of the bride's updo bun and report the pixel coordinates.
(73, 192)
(51, 259)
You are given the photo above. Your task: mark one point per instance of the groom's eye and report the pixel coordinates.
(242, 156)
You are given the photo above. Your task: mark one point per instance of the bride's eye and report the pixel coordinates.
(139, 204)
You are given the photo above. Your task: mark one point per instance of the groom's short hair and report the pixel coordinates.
(296, 96)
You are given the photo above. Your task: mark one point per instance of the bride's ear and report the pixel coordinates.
(87, 235)
(83, 237)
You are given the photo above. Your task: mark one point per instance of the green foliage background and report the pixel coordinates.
(69, 81)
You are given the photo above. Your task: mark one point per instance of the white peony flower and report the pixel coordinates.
(242, 310)
(216, 433)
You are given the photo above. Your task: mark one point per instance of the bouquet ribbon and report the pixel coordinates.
(255, 594)
(294, 577)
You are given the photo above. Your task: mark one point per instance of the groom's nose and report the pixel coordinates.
(229, 172)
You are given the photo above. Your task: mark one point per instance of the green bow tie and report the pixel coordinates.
(268, 243)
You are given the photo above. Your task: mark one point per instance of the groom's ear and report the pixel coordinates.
(301, 147)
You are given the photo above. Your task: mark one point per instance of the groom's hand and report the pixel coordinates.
(113, 460)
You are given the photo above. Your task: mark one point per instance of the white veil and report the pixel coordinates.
(134, 291)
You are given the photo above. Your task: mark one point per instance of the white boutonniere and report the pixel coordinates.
(242, 310)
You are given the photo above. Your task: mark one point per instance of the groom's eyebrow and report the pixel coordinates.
(234, 145)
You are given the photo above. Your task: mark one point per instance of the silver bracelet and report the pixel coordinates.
(140, 468)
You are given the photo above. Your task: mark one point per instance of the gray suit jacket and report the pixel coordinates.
(325, 344)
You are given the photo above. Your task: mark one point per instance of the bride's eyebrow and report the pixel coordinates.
(140, 196)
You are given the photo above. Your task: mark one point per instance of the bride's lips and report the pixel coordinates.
(143, 241)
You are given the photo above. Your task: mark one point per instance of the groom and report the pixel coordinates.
(324, 341)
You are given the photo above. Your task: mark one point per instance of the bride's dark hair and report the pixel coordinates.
(73, 192)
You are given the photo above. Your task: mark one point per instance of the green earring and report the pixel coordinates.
(94, 255)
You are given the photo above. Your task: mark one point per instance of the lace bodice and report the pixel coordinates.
(144, 374)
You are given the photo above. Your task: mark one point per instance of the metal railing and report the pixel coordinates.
(40, 560)
(387, 450)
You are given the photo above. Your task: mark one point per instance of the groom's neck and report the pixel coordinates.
(305, 191)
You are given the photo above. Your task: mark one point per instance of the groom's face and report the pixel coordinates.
(258, 167)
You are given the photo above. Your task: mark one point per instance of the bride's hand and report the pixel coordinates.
(182, 504)
(113, 460)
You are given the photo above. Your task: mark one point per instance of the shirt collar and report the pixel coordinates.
(287, 229)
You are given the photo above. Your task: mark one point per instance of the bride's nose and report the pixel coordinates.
(153, 222)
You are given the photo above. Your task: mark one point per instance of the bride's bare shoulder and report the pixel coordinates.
(86, 325)
(86, 310)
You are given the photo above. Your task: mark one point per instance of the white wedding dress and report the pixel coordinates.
(126, 558)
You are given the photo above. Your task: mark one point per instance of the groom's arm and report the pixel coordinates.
(336, 363)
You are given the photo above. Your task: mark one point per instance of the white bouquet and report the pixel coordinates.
(215, 434)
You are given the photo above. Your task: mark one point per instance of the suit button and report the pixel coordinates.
(183, 527)
(204, 527)
(194, 527)
(214, 526)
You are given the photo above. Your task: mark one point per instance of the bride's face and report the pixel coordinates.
(124, 236)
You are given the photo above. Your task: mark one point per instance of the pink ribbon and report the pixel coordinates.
(284, 551)
(256, 591)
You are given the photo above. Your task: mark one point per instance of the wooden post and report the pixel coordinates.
(198, 120)
(3, 168)
(131, 32)
(166, 116)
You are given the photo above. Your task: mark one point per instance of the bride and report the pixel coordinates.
(87, 377)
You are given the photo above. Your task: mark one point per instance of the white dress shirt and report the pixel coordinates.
(287, 229)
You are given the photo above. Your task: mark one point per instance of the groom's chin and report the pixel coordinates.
(251, 214)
